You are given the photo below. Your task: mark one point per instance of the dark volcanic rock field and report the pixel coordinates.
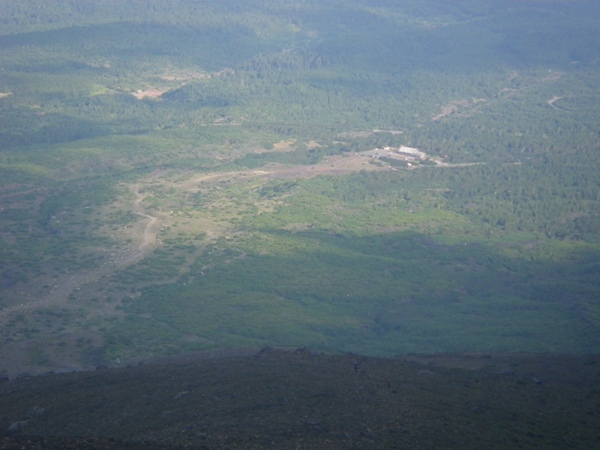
(303, 400)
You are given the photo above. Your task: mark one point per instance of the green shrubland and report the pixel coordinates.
(490, 245)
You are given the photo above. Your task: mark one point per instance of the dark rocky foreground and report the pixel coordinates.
(302, 400)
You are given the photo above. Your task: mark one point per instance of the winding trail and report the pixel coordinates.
(552, 102)
(149, 234)
(119, 260)
(75, 281)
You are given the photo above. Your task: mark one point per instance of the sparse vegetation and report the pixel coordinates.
(302, 399)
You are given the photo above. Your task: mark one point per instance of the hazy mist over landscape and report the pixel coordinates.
(299, 224)
(377, 177)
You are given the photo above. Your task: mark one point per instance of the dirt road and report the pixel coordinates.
(70, 283)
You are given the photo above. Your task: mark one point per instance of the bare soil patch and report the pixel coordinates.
(455, 106)
(150, 93)
(185, 76)
(284, 146)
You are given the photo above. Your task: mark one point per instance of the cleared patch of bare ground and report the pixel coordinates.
(90, 295)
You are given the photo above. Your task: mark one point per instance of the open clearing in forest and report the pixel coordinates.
(94, 293)
(146, 231)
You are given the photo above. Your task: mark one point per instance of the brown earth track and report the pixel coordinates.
(60, 293)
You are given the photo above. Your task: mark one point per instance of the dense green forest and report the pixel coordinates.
(198, 174)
